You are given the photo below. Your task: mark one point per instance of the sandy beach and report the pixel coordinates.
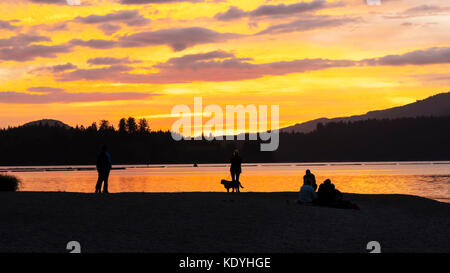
(218, 222)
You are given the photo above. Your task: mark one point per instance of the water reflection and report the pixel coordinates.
(426, 179)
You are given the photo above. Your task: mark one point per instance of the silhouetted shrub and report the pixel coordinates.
(9, 183)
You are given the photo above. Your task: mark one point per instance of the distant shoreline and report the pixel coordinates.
(218, 222)
(82, 167)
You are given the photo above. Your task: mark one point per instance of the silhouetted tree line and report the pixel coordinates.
(423, 138)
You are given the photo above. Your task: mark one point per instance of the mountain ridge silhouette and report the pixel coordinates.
(437, 106)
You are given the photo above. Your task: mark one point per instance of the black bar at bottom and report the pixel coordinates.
(188, 262)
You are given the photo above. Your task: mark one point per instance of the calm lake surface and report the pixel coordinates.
(427, 179)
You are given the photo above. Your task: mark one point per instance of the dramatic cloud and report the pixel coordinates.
(109, 29)
(128, 17)
(435, 55)
(94, 43)
(282, 9)
(95, 73)
(211, 66)
(21, 40)
(7, 25)
(422, 10)
(57, 27)
(108, 23)
(58, 95)
(111, 61)
(177, 38)
(314, 22)
(60, 26)
(45, 89)
(56, 2)
(189, 59)
(27, 53)
(231, 14)
(21, 48)
(275, 10)
(143, 2)
(63, 67)
(54, 69)
(224, 66)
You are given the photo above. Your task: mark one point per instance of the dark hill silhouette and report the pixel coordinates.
(435, 106)
(47, 122)
(421, 138)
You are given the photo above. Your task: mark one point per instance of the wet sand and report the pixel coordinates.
(218, 222)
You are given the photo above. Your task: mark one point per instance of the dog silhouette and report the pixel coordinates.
(234, 185)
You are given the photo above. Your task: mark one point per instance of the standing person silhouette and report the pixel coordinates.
(235, 168)
(104, 166)
(310, 179)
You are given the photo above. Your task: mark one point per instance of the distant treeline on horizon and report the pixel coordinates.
(421, 138)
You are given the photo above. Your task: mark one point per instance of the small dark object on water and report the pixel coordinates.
(195, 165)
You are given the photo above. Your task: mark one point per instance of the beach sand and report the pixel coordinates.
(218, 222)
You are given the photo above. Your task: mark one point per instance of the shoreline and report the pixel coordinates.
(89, 167)
(295, 163)
(219, 222)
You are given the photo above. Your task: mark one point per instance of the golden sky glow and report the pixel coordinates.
(109, 59)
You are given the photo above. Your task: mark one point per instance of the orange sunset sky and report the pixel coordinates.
(109, 59)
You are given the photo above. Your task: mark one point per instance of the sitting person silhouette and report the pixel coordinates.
(329, 196)
(104, 166)
(327, 193)
(310, 177)
(307, 193)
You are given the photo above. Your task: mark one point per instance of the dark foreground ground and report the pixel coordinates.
(218, 222)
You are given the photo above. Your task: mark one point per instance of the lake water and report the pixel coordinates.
(427, 179)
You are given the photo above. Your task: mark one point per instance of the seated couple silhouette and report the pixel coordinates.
(327, 194)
